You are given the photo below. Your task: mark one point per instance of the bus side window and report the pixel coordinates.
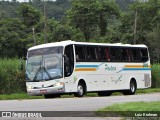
(129, 55)
(107, 55)
(136, 55)
(103, 54)
(144, 54)
(92, 54)
(124, 54)
(115, 54)
(88, 54)
(112, 51)
(80, 53)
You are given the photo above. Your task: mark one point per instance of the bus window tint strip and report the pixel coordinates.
(86, 53)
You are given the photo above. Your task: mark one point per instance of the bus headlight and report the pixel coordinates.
(29, 87)
(58, 84)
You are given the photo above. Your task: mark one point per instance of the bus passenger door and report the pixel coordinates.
(68, 68)
(68, 60)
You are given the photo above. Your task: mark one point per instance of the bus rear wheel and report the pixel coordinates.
(132, 90)
(80, 90)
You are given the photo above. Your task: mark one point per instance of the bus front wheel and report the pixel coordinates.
(80, 90)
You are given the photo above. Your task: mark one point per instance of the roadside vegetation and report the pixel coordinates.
(129, 109)
(12, 79)
(156, 76)
(100, 21)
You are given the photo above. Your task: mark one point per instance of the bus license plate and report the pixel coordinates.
(43, 91)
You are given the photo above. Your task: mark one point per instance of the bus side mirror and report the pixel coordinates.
(21, 62)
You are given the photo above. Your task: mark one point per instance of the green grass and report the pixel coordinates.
(18, 96)
(149, 90)
(25, 96)
(129, 109)
(134, 106)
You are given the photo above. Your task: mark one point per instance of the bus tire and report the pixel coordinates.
(132, 90)
(80, 90)
(104, 93)
(49, 96)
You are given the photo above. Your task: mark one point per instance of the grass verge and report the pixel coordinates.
(18, 96)
(131, 109)
(25, 96)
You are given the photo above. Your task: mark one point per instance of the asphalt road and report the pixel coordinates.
(73, 106)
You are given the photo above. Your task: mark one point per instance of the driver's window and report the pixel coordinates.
(52, 61)
(51, 58)
(68, 67)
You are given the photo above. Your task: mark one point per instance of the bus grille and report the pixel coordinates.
(147, 80)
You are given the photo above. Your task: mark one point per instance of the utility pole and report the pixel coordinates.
(45, 23)
(34, 36)
(135, 27)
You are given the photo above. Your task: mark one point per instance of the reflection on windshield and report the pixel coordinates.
(44, 64)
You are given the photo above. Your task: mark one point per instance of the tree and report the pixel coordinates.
(126, 27)
(84, 16)
(108, 9)
(148, 27)
(153, 43)
(8, 9)
(12, 38)
(56, 31)
(91, 16)
(29, 14)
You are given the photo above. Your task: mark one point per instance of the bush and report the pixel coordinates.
(156, 76)
(12, 79)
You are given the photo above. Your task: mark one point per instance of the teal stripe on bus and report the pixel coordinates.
(126, 69)
(87, 66)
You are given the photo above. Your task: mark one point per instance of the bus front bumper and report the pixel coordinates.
(47, 90)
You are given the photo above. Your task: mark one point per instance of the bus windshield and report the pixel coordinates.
(44, 64)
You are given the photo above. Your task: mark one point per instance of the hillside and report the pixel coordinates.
(54, 9)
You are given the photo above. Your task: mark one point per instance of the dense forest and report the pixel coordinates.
(23, 25)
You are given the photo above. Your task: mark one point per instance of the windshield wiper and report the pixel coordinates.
(47, 73)
(42, 69)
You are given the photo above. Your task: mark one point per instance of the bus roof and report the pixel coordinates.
(68, 42)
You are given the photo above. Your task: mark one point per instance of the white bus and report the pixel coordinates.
(78, 67)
